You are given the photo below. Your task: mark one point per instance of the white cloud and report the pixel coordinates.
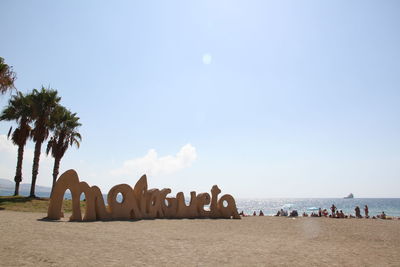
(207, 58)
(152, 164)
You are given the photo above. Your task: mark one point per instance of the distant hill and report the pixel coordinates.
(4, 183)
(7, 188)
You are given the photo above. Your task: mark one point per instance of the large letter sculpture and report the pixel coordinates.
(137, 203)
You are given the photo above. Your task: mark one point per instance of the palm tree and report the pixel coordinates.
(44, 102)
(65, 134)
(7, 77)
(19, 110)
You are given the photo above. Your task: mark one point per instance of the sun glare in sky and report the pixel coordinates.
(207, 58)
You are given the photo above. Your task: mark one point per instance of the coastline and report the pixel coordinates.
(252, 241)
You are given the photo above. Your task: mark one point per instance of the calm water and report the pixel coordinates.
(391, 206)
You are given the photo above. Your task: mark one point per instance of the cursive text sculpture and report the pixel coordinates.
(137, 203)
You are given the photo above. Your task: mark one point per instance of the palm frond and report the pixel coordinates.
(7, 77)
(9, 132)
(49, 146)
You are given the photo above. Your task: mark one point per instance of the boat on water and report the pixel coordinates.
(349, 196)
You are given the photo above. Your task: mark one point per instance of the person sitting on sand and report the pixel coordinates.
(283, 212)
(333, 209)
(305, 214)
(358, 213)
(254, 213)
(261, 213)
(383, 215)
(337, 215)
(366, 211)
(294, 213)
(341, 214)
(325, 213)
(278, 213)
(319, 212)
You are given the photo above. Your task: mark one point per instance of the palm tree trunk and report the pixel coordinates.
(18, 172)
(35, 167)
(55, 172)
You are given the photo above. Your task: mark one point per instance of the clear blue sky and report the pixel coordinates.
(263, 98)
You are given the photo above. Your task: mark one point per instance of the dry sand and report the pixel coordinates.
(252, 241)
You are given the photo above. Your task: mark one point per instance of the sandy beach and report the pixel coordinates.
(253, 241)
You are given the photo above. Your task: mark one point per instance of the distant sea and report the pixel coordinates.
(270, 206)
(391, 206)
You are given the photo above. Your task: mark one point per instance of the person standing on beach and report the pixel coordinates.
(366, 211)
(358, 213)
(333, 209)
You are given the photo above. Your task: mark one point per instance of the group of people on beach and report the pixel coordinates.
(335, 213)
(283, 212)
(254, 213)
